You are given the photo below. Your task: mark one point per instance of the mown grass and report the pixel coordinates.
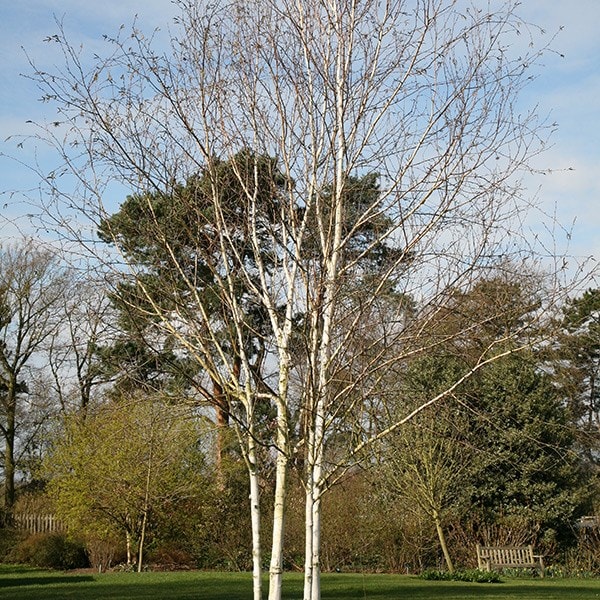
(20, 583)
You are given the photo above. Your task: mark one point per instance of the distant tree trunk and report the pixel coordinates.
(149, 469)
(222, 421)
(140, 558)
(9, 451)
(128, 546)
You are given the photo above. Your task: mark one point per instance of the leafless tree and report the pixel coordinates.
(32, 286)
(423, 94)
(73, 350)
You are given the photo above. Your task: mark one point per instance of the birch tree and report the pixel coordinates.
(421, 94)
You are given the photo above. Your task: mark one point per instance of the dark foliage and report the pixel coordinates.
(51, 551)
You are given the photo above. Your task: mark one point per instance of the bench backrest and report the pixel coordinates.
(506, 555)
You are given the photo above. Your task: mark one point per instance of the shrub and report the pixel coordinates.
(51, 551)
(104, 551)
(168, 556)
(9, 540)
(472, 575)
(520, 572)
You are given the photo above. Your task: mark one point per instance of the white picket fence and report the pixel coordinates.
(34, 523)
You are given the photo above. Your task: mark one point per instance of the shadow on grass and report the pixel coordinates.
(43, 580)
(20, 575)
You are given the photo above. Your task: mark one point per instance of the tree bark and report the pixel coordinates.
(9, 455)
(222, 417)
(442, 538)
(255, 519)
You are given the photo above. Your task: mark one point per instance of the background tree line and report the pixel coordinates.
(108, 429)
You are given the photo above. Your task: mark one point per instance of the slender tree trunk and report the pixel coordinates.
(146, 507)
(312, 584)
(312, 569)
(315, 591)
(332, 249)
(276, 565)
(254, 517)
(281, 473)
(9, 452)
(309, 506)
(332, 254)
(142, 540)
(308, 539)
(128, 547)
(442, 538)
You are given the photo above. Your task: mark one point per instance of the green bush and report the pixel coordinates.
(9, 540)
(51, 551)
(520, 572)
(472, 575)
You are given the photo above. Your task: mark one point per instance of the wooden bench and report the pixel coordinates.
(500, 557)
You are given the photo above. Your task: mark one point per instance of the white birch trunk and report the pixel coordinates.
(255, 520)
(276, 565)
(309, 516)
(316, 545)
(312, 569)
(308, 543)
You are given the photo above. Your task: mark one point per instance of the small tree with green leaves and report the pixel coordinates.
(425, 464)
(116, 470)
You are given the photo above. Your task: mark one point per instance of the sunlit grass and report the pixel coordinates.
(20, 583)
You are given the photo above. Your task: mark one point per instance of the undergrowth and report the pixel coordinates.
(472, 575)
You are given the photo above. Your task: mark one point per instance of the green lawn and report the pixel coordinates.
(20, 583)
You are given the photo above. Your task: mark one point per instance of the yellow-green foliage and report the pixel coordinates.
(122, 460)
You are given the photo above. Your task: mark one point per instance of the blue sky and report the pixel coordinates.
(567, 89)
